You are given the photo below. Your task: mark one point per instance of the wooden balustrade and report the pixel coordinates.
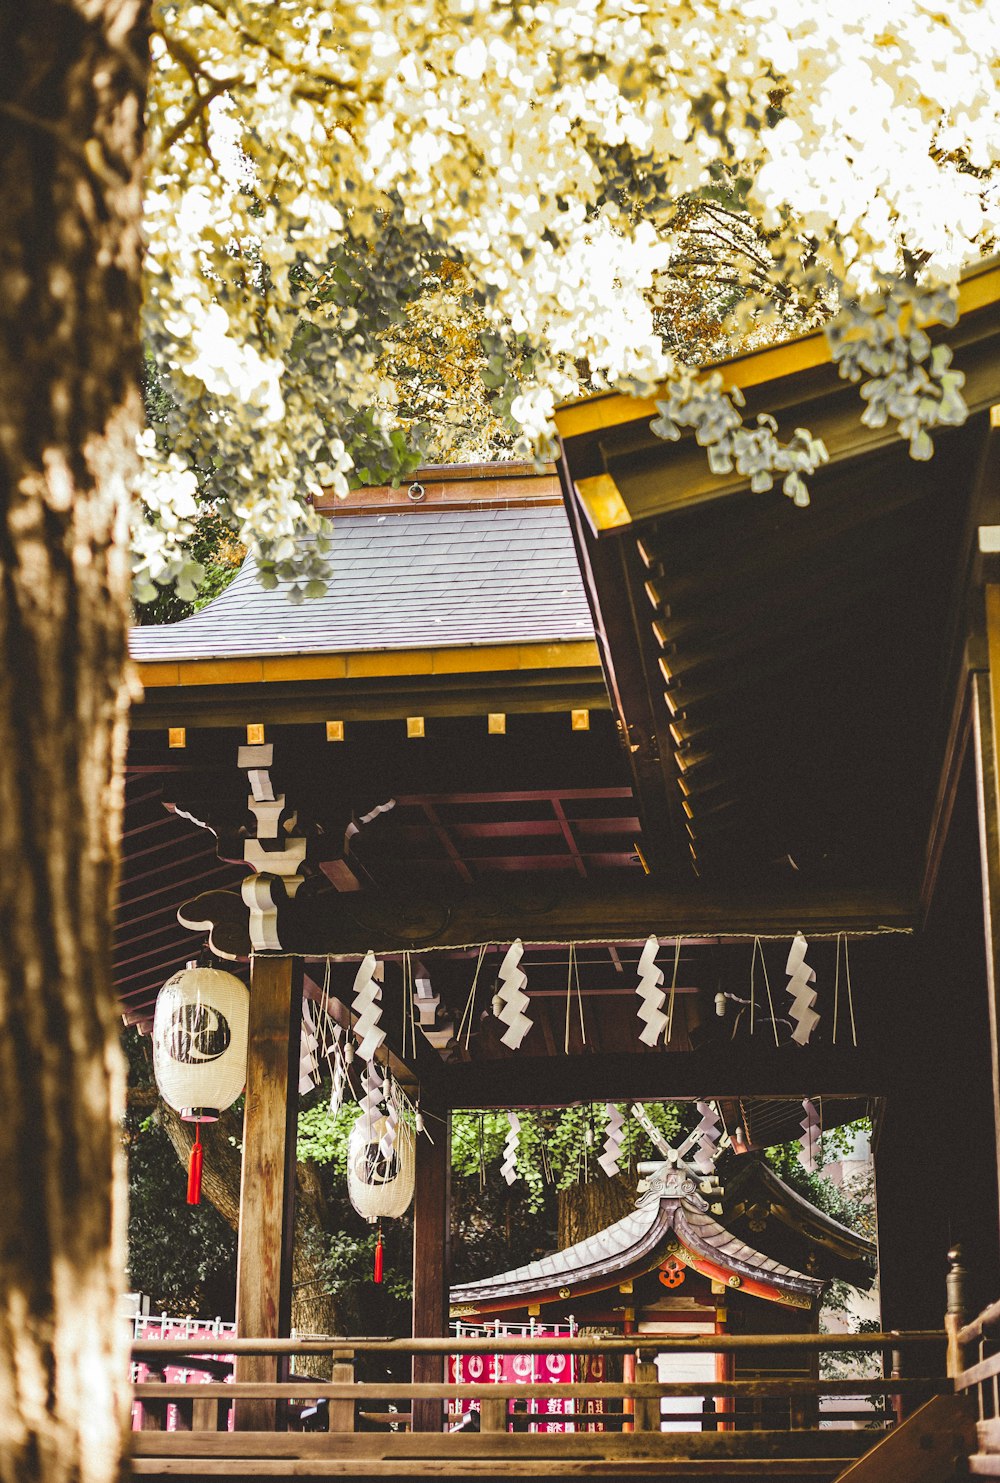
(743, 1449)
(974, 1366)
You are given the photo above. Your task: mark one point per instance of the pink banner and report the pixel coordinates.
(174, 1374)
(519, 1369)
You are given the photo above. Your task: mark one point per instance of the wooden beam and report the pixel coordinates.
(431, 1227)
(986, 735)
(267, 1191)
(572, 910)
(756, 1070)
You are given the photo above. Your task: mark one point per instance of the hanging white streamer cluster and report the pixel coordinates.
(611, 1152)
(800, 980)
(508, 1167)
(368, 1007)
(651, 995)
(510, 1001)
(707, 1135)
(812, 1130)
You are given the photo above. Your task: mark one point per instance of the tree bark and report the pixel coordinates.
(585, 1209)
(72, 76)
(314, 1309)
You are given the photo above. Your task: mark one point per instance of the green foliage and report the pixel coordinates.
(213, 545)
(853, 1208)
(183, 1256)
(322, 1136)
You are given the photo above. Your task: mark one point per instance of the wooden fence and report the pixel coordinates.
(770, 1425)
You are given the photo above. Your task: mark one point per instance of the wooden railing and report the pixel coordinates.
(974, 1364)
(744, 1421)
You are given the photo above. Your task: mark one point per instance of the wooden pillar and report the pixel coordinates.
(725, 1369)
(431, 1223)
(267, 1190)
(628, 1369)
(986, 732)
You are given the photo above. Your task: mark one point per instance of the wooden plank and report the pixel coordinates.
(204, 1414)
(988, 1433)
(760, 1071)
(984, 1467)
(394, 1390)
(267, 1191)
(431, 1228)
(984, 1323)
(986, 734)
(574, 911)
(685, 1470)
(985, 1369)
(341, 1413)
(646, 1411)
(926, 1448)
(347, 1348)
(497, 1443)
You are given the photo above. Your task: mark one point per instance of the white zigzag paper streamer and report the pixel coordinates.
(811, 1131)
(508, 1167)
(308, 1052)
(800, 980)
(707, 1133)
(338, 1071)
(650, 994)
(387, 1142)
(368, 1007)
(611, 1152)
(512, 1000)
(371, 1101)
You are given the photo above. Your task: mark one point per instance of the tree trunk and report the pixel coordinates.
(71, 93)
(314, 1309)
(585, 1209)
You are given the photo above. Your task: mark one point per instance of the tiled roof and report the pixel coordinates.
(638, 1238)
(608, 1251)
(427, 579)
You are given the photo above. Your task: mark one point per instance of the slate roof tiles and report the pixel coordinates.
(427, 579)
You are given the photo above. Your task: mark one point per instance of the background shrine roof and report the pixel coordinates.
(629, 1247)
(418, 578)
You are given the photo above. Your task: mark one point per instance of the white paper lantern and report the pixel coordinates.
(200, 1034)
(380, 1187)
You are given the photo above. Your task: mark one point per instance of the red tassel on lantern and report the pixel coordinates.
(194, 1168)
(378, 1257)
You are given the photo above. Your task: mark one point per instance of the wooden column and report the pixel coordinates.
(725, 1369)
(986, 732)
(431, 1222)
(267, 1190)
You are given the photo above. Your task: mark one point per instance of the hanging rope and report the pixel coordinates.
(767, 984)
(573, 973)
(753, 994)
(579, 997)
(465, 1023)
(850, 993)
